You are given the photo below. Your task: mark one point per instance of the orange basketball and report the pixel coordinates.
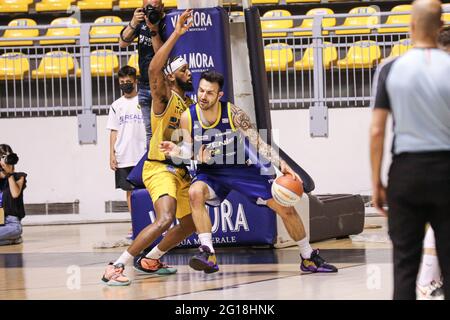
(287, 191)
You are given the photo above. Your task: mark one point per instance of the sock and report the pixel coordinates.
(155, 253)
(305, 248)
(125, 258)
(206, 240)
(429, 270)
(429, 241)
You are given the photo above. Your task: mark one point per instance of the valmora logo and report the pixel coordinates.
(227, 217)
(199, 60)
(200, 19)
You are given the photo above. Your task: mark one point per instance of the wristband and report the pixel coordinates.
(122, 38)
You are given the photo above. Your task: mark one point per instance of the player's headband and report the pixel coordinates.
(176, 64)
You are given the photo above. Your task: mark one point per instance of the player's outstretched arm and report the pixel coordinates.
(158, 84)
(242, 122)
(184, 149)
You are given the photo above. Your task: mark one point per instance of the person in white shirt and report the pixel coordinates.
(127, 131)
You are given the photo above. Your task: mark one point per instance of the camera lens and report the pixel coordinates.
(153, 14)
(11, 159)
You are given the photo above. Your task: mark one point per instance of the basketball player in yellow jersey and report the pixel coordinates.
(167, 183)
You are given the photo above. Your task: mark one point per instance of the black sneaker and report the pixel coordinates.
(153, 266)
(316, 264)
(204, 261)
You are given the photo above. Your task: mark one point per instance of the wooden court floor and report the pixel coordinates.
(59, 262)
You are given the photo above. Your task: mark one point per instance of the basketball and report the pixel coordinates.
(286, 191)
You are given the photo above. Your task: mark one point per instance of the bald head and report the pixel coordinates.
(426, 20)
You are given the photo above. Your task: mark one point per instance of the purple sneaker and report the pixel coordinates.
(316, 264)
(204, 261)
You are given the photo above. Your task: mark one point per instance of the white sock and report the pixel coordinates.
(305, 248)
(155, 253)
(429, 270)
(429, 241)
(206, 240)
(125, 258)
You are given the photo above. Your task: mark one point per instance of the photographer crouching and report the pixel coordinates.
(148, 24)
(12, 185)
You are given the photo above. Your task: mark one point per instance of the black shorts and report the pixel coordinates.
(121, 179)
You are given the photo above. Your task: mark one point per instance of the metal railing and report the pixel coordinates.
(79, 81)
(293, 84)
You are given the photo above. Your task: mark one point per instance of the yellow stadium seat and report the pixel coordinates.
(446, 15)
(236, 13)
(134, 62)
(397, 19)
(64, 31)
(170, 3)
(20, 33)
(400, 48)
(265, 1)
(55, 64)
(278, 56)
(329, 54)
(106, 30)
(13, 66)
(366, 22)
(308, 23)
(229, 3)
(276, 24)
(301, 1)
(95, 4)
(53, 5)
(104, 63)
(7, 6)
(362, 54)
(130, 4)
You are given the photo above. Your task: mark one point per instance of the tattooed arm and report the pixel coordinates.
(242, 122)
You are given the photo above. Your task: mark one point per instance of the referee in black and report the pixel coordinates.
(415, 89)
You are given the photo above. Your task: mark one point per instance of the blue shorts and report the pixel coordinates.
(246, 180)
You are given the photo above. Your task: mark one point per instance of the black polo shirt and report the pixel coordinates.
(13, 206)
(146, 52)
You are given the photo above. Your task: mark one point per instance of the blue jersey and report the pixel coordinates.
(236, 163)
(226, 144)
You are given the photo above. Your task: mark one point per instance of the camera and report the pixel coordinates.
(10, 159)
(153, 14)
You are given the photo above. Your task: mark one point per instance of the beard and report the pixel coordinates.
(185, 86)
(207, 105)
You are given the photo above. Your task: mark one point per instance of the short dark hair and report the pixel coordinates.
(127, 71)
(214, 77)
(444, 37)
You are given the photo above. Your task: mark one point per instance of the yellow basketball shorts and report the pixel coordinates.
(162, 179)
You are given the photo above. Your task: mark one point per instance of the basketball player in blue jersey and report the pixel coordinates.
(218, 133)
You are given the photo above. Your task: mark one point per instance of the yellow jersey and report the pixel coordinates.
(164, 125)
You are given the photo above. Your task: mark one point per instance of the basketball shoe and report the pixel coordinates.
(114, 276)
(153, 266)
(431, 292)
(316, 264)
(204, 261)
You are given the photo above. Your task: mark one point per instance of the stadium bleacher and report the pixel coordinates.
(348, 42)
(20, 33)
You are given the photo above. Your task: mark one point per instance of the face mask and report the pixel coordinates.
(127, 87)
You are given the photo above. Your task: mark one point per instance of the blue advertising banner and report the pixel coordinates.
(205, 46)
(236, 222)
